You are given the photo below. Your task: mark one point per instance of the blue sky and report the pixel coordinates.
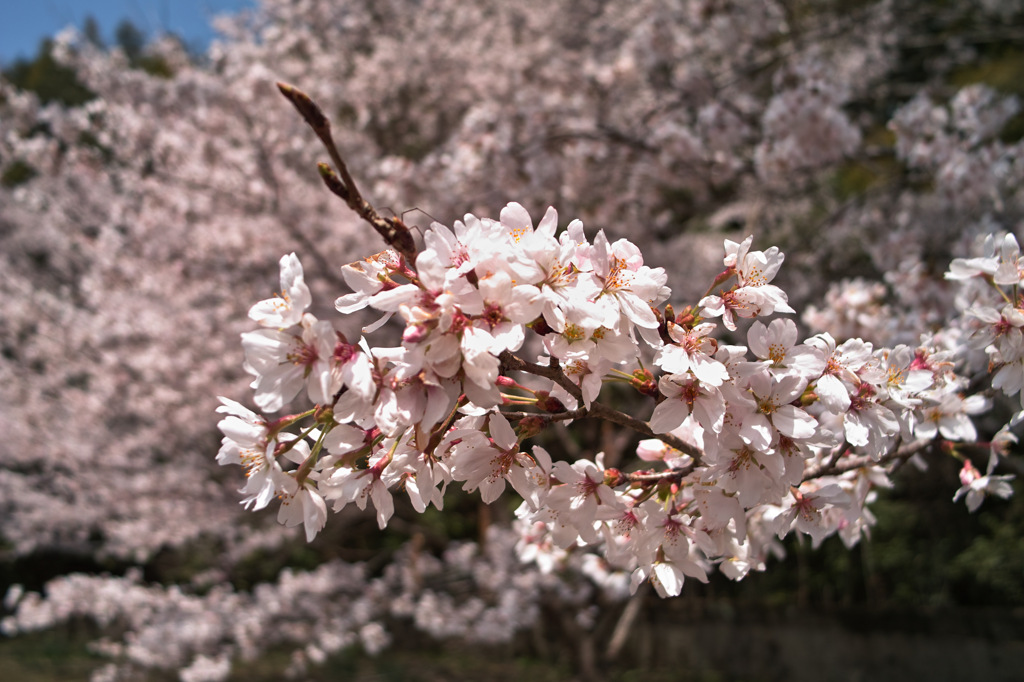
(23, 23)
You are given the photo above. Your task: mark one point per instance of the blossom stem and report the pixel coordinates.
(850, 463)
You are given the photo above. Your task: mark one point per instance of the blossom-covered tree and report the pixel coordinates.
(147, 220)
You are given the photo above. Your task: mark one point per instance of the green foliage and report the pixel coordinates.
(57, 654)
(49, 80)
(1002, 69)
(1013, 131)
(53, 82)
(17, 173)
(131, 39)
(855, 178)
(265, 565)
(991, 568)
(924, 551)
(154, 66)
(91, 31)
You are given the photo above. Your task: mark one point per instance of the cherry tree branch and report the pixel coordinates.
(845, 464)
(647, 477)
(549, 417)
(596, 410)
(553, 371)
(602, 411)
(392, 230)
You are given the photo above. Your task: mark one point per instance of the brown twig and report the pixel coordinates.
(553, 371)
(548, 416)
(648, 477)
(341, 183)
(850, 463)
(602, 411)
(624, 626)
(596, 410)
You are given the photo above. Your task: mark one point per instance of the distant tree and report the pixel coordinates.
(47, 78)
(867, 142)
(92, 32)
(131, 39)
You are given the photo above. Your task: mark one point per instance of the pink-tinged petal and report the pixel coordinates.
(673, 359)
(757, 340)
(669, 577)
(958, 427)
(789, 388)
(638, 311)
(491, 490)
(709, 371)
(926, 430)
(418, 500)
(344, 438)
(543, 459)
(350, 303)
(502, 433)
(383, 502)
(549, 223)
(857, 432)
(833, 394)
(514, 216)
(391, 299)
(794, 422)
(314, 513)
(757, 431)
(710, 412)
(668, 415)
(357, 374)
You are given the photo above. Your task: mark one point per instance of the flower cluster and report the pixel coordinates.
(751, 442)
(138, 226)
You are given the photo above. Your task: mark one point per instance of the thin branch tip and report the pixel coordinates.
(305, 105)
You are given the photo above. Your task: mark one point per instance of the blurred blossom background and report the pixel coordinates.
(151, 177)
(26, 25)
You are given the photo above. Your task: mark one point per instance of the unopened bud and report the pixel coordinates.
(531, 426)
(548, 403)
(686, 318)
(540, 326)
(305, 105)
(332, 181)
(724, 276)
(400, 238)
(643, 381)
(414, 333)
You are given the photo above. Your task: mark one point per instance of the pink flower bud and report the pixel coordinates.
(414, 333)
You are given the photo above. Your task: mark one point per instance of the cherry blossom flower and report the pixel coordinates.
(628, 287)
(804, 509)
(686, 395)
(776, 343)
(286, 309)
(753, 295)
(774, 413)
(247, 442)
(283, 362)
(487, 462)
(348, 485)
(303, 505)
(975, 486)
(693, 353)
(581, 491)
(840, 374)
